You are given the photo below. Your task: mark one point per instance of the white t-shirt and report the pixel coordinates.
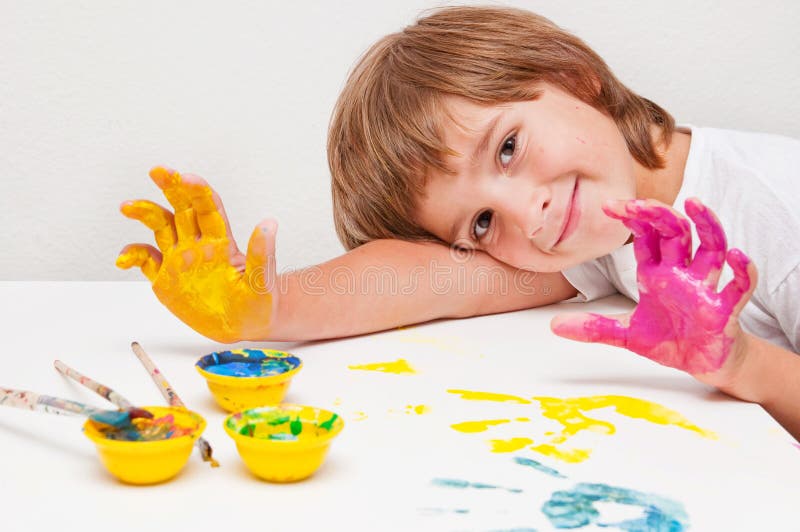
(752, 183)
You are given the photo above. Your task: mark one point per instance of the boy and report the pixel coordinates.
(494, 132)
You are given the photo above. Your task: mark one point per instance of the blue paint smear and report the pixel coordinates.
(248, 363)
(538, 466)
(251, 369)
(575, 509)
(438, 511)
(463, 484)
(113, 418)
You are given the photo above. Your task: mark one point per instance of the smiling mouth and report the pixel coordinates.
(570, 216)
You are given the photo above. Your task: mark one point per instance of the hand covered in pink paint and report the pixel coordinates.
(198, 272)
(681, 321)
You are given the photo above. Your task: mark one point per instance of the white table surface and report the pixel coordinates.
(380, 471)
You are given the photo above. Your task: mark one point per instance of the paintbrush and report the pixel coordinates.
(55, 405)
(171, 397)
(101, 389)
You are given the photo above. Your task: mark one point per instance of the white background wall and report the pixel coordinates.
(92, 94)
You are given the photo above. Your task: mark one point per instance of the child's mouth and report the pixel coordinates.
(571, 217)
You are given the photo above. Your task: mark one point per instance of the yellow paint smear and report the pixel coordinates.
(477, 426)
(417, 409)
(572, 456)
(571, 414)
(399, 366)
(510, 445)
(488, 396)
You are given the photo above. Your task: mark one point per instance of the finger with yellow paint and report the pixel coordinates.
(169, 181)
(154, 216)
(144, 256)
(209, 210)
(260, 267)
(202, 277)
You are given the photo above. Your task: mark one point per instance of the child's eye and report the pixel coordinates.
(482, 223)
(507, 150)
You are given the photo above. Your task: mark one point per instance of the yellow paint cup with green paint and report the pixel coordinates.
(283, 443)
(148, 451)
(246, 378)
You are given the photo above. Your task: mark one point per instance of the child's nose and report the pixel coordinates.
(528, 213)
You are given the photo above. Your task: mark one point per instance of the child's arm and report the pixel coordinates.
(199, 273)
(768, 375)
(682, 321)
(387, 283)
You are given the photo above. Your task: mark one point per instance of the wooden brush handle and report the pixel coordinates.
(100, 389)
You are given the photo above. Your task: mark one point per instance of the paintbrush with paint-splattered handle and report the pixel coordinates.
(101, 389)
(55, 405)
(171, 397)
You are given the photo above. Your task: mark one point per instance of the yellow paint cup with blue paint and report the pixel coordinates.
(147, 451)
(246, 378)
(283, 443)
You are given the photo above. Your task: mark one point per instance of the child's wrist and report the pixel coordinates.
(747, 380)
(271, 328)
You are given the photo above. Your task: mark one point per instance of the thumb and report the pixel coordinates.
(590, 327)
(260, 265)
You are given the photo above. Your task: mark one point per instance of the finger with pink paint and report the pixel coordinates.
(745, 276)
(661, 234)
(710, 256)
(681, 320)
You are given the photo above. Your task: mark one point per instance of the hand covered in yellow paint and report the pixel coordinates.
(198, 272)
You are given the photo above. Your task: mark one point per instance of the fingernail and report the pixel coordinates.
(158, 172)
(614, 203)
(269, 227)
(739, 257)
(635, 205)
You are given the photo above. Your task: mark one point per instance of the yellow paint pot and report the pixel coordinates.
(150, 451)
(283, 443)
(247, 378)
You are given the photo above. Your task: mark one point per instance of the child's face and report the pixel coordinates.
(532, 197)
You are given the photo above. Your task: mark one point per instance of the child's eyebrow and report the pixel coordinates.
(483, 144)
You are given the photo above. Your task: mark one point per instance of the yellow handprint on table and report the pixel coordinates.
(198, 272)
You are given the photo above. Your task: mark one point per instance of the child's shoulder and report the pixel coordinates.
(751, 148)
(724, 161)
(752, 183)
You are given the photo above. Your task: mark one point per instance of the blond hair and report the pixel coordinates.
(386, 135)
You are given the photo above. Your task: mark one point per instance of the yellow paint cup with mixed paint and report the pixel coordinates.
(283, 443)
(148, 451)
(246, 378)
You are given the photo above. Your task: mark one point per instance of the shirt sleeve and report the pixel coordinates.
(784, 306)
(589, 280)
